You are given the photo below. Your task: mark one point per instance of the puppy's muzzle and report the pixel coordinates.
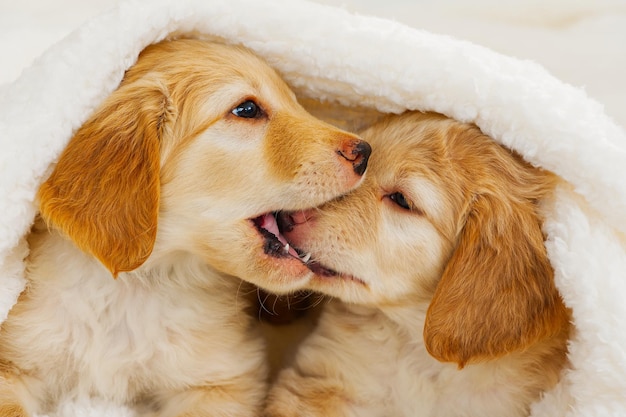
(357, 153)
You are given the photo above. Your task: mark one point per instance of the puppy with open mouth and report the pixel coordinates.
(446, 300)
(159, 201)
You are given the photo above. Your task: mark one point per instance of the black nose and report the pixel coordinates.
(363, 151)
(357, 152)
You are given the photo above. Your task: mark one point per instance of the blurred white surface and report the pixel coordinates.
(582, 42)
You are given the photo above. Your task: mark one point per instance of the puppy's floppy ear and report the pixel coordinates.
(497, 292)
(104, 190)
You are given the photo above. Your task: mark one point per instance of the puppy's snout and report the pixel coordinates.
(357, 153)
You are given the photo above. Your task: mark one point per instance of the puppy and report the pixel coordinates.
(450, 308)
(168, 188)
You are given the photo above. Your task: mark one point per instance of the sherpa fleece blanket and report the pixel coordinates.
(353, 62)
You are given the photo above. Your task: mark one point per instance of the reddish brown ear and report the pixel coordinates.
(104, 191)
(497, 292)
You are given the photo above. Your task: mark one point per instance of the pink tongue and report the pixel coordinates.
(269, 223)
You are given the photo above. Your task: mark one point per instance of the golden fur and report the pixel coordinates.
(450, 308)
(163, 188)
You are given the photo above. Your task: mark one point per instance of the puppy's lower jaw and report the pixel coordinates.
(276, 245)
(285, 265)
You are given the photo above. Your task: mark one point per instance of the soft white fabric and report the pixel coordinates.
(330, 54)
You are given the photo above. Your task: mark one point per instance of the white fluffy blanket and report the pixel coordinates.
(331, 55)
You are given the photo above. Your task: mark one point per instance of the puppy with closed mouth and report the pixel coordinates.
(161, 198)
(447, 304)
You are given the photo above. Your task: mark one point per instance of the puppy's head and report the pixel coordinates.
(447, 218)
(204, 141)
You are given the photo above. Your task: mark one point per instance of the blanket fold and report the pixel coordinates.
(349, 61)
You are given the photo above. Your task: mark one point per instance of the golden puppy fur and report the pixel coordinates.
(449, 304)
(165, 187)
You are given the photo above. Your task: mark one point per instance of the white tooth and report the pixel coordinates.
(286, 248)
(306, 258)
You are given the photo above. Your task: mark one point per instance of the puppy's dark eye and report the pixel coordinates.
(248, 110)
(400, 200)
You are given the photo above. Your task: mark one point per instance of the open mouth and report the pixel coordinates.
(271, 226)
(276, 245)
